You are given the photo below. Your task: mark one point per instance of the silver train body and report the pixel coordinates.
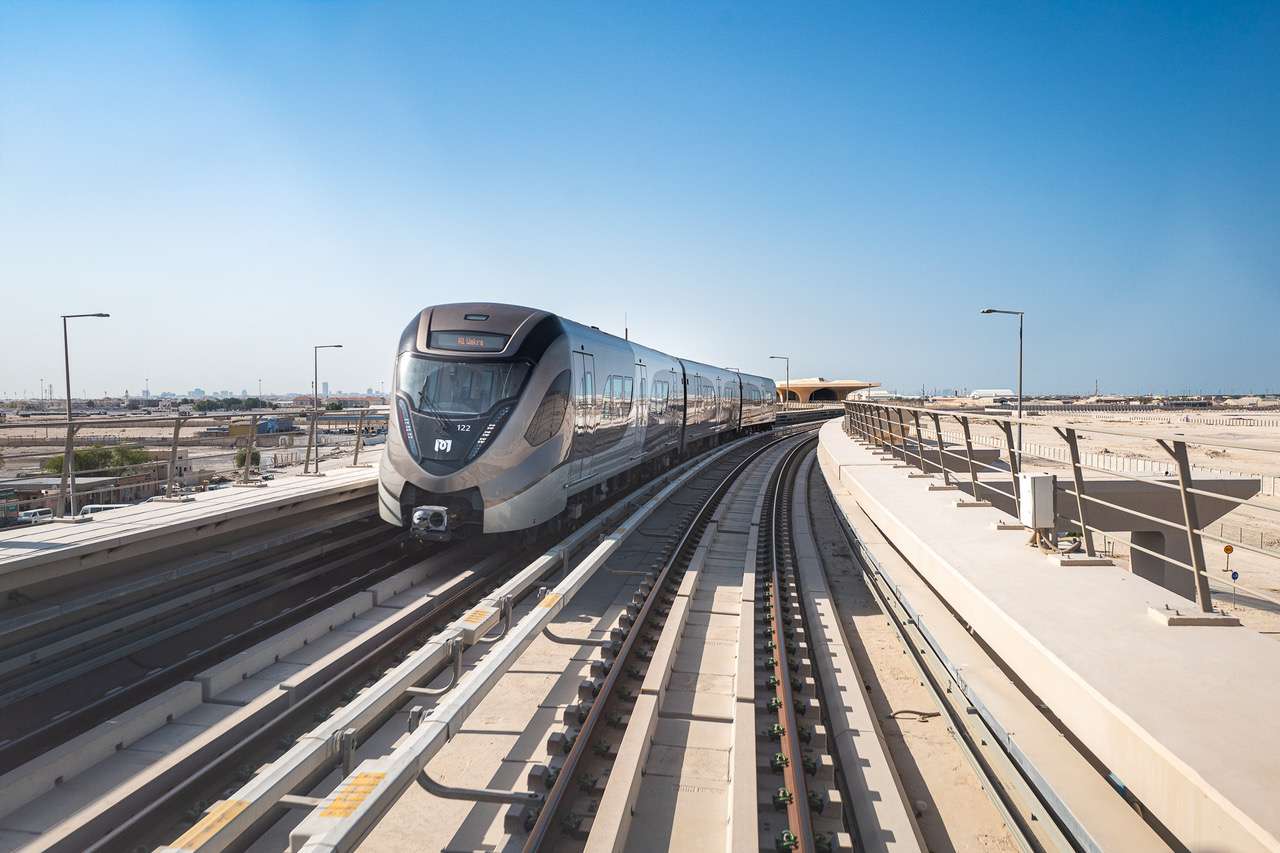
(506, 417)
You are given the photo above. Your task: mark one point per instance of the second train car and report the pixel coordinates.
(506, 418)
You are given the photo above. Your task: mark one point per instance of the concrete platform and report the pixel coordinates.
(47, 552)
(1183, 716)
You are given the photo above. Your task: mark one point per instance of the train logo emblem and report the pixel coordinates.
(444, 445)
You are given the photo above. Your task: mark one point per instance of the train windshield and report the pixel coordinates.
(459, 387)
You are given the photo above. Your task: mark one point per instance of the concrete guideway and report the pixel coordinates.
(692, 765)
(1181, 715)
(263, 795)
(46, 552)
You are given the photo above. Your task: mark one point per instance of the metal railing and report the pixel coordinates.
(221, 448)
(917, 436)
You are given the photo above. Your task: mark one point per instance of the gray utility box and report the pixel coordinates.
(1035, 503)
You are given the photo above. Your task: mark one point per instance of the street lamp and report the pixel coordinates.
(786, 397)
(68, 482)
(315, 377)
(1019, 313)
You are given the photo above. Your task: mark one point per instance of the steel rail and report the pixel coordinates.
(557, 795)
(799, 814)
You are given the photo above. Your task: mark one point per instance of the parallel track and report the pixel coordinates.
(183, 636)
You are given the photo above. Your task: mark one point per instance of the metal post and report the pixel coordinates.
(68, 479)
(786, 394)
(1077, 478)
(249, 447)
(902, 430)
(968, 451)
(1192, 518)
(355, 460)
(311, 431)
(915, 420)
(882, 432)
(67, 483)
(1020, 318)
(1015, 465)
(942, 461)
(173, 459)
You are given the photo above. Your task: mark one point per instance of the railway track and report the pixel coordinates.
(707, 686)
(179, 787)
(281, 789)
(672, 739)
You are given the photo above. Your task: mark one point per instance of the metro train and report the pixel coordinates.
(508, 418)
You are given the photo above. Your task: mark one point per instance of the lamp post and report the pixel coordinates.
(67, 486)
(786, 397)
(315, 376)
(1019, 314)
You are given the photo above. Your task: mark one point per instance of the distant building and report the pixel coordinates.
(196, 394)
(819, 389)
(324, 389)
(991, 393)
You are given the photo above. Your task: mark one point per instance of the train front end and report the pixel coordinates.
(480, 410)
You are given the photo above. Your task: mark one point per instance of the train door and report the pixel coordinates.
(683, 397)
(740, 402)
(586, 416)
(641, 408)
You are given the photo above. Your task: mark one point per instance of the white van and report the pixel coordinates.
(35, 516)
(93, 509)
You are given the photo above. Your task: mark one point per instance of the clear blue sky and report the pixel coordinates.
(847, 184)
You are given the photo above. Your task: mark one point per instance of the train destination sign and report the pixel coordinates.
(468, 341)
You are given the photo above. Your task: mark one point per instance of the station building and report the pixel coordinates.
(819, 389)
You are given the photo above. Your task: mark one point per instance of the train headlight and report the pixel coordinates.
(406, 426)
(430, 519)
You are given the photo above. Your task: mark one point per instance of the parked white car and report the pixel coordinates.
(94, 509)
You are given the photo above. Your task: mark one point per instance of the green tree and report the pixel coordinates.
(100, 461)
(257, 457)
(333, 407)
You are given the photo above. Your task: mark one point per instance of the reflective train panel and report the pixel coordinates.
(507, 417)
